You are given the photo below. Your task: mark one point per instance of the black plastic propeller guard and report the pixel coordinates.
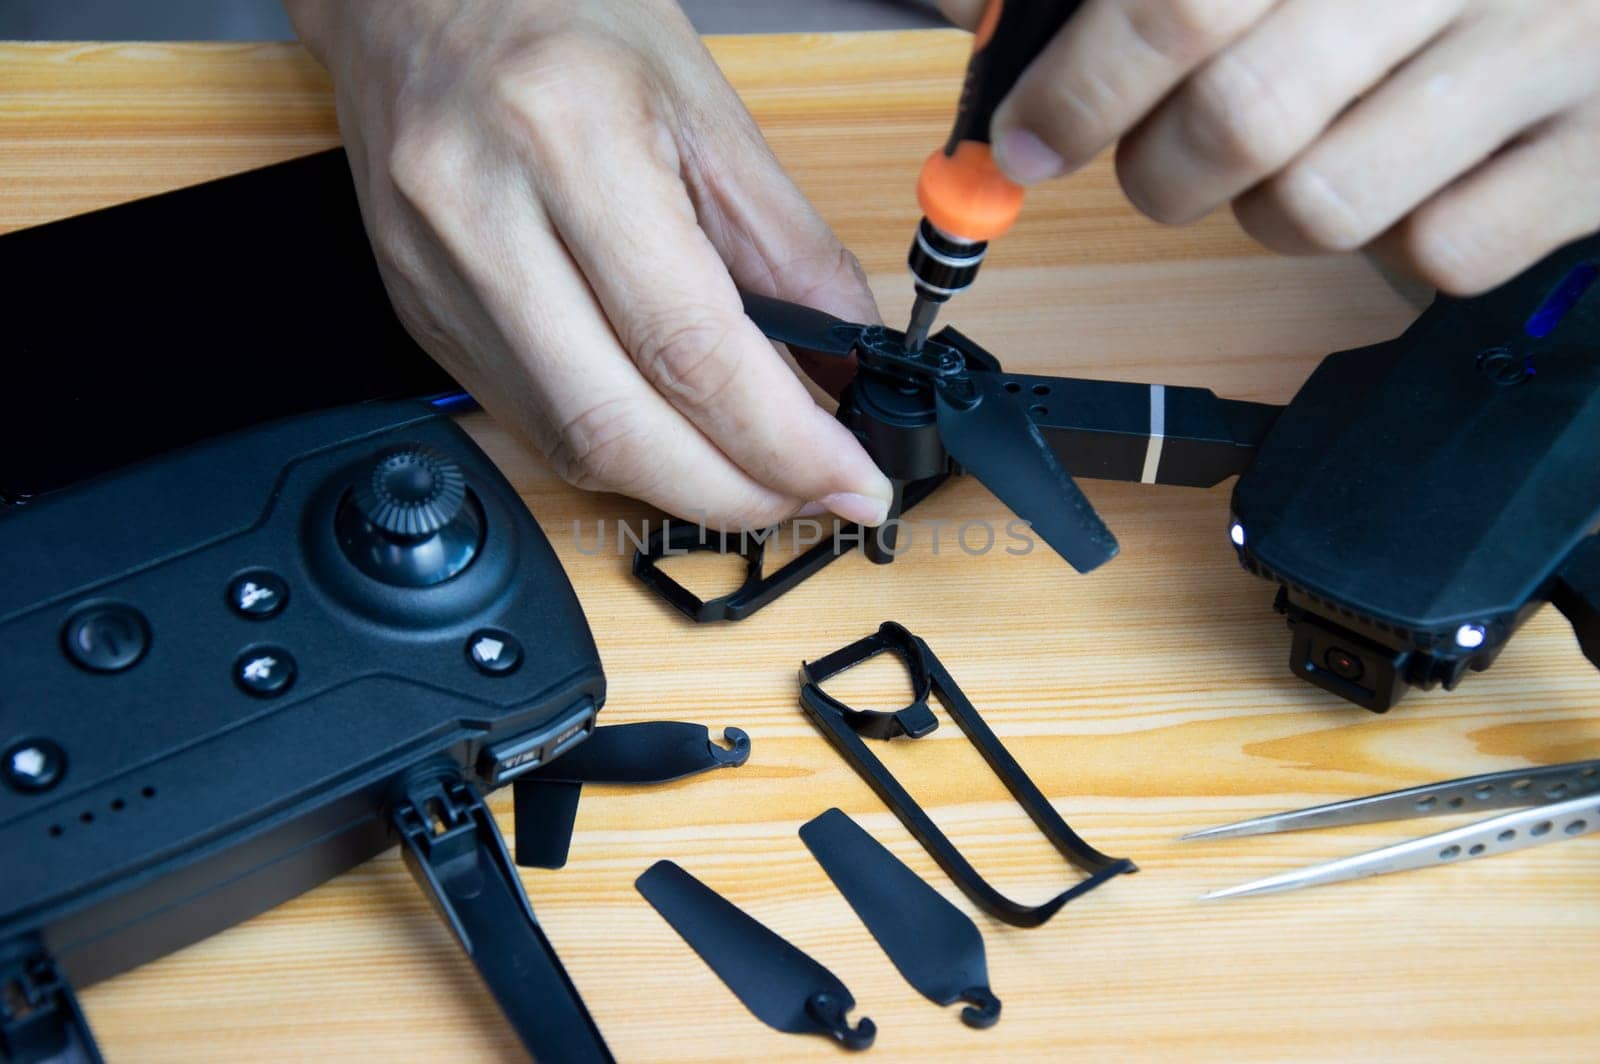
(757, 589)
(844, 728)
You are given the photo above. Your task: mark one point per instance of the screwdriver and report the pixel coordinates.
(966, 201)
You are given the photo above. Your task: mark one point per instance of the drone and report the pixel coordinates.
(1416, 502)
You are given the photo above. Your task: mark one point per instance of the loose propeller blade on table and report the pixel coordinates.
(935, 945)
(783, 987)
(981, 425)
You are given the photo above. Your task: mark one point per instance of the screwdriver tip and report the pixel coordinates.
(923, 312)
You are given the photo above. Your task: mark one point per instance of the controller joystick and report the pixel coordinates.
(411, 521)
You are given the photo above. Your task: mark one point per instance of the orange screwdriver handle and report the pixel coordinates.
(961, 189)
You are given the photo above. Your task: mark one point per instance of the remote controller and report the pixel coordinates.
(236, 670)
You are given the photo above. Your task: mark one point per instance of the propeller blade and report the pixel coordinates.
(802, 327)
(783, 987)
(935, 945)
(989, 433)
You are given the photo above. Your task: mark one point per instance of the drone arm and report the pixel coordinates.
(1577, 596)
(1150, 433)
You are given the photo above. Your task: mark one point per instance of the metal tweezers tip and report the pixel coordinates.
(1268, 885)
(1260, 825)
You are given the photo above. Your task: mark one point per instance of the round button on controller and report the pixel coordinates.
(258, 594)
(106, 638)
(494, 652)
(33, 765)
(265, 672)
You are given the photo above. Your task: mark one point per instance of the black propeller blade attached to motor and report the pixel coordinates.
(803, 327)
(916, 411)
(990, 434)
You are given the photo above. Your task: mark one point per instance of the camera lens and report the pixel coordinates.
(1343, 664)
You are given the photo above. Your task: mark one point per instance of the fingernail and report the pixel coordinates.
(1026, 158)
(812, 509)
(862, 509)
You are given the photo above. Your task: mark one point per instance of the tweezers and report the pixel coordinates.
(1563, 801)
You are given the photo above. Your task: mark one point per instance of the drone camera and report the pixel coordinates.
(1353, 661)
(1347, 664)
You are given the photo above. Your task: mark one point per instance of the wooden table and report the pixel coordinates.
(1149, 699)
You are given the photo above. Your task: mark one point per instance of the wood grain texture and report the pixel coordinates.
(1149, 699)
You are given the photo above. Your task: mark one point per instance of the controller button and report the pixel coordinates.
(258, 594)
(34, 765)
(106, 638)
(265, 672)
(494, 652)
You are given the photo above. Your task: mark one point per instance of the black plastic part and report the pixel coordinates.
(454, 850)
(1020, 34)
(1025, 437)
(1577, 596)
(801, 326)
(781, 986)
(756, 590)
(914, 721)
(1101, 430)
(40, 1021)
(411, 493)
(986, 429)
(411, 521)
(648, 752)
(933, 944)
(942, 266)
(1428, 493)
(825, 712)
(1343, 662)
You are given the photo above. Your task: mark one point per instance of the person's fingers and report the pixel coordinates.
(771, 238)
(1112, 63)
(532, 344)
(1537, 196)
(1434, 120)
(1264, 99)
(620, 206)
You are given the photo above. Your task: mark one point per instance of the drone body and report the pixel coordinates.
(1416, 502)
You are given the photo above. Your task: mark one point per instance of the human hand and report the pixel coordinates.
(1458, 139)
(561, 198)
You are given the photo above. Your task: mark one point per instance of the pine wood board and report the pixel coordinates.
(1147, 700)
